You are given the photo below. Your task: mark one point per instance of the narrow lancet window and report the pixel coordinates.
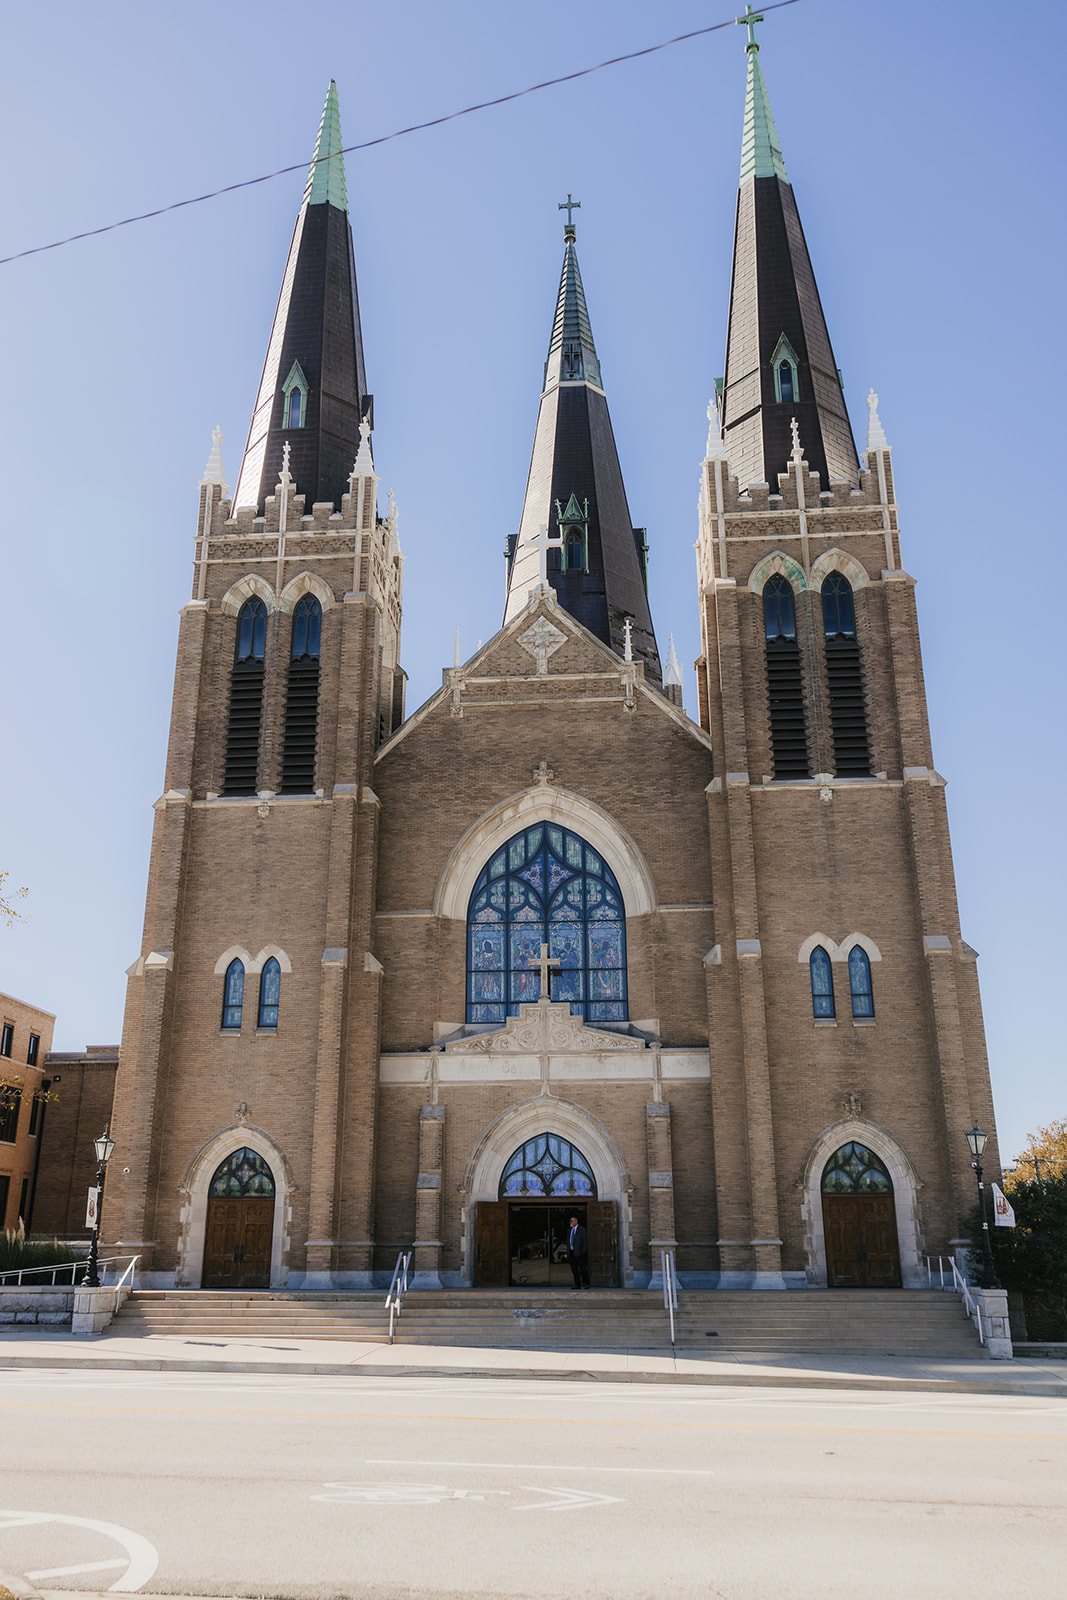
(859, 982)
(302, 698)
(822, 984)
(246, 699)
(789, 743)
(848, 714)
(270, 994)
(233, 996)
(293, 420)
(785, 383)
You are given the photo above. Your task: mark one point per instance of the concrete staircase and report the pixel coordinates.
(903, 1322)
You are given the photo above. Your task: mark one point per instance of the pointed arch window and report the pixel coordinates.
(859, 982)
(547, 1165)
(546, 885)
(270, 994)
(786, 368)
(302, 698)
(822, 984)
(848, 712)
(246, 699)
(785, 690)
(233, 996)
(294, 398)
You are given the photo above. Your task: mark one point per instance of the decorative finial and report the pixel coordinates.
(392, 506)
(798, 454)
(456, 658)
(628, 640)
(749, 21)
(876, 439)
(716, 450)
(213, 470)
(285, 461)
(674, 666)
(568, 206)
(364, 459)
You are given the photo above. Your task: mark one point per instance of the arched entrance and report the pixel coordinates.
(859, 1220)
(240, 1223)
(521, 1237)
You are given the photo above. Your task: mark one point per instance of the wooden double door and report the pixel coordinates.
(862, 1251)
(237, 1243)
(523, 1243)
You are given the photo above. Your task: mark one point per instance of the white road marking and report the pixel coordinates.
(142, 1558)
(541, 1466)
(569, 1500)
(399, 1494)
(83, 1566)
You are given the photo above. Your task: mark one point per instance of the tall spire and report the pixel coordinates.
(312, 395)
(779, 361)
(575, 507)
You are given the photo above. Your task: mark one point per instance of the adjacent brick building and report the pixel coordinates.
(762, 1045)
(25, 1038)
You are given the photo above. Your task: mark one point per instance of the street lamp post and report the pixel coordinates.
(977, 1141)
(104, 1146)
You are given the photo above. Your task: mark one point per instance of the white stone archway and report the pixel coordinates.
(547, 1114)
(544, 802)
(906, 1186)
(193, 1191)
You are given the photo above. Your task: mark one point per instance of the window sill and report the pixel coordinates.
(863, 1022)
(824, 1022)
(229, 1033)
(266, 1033)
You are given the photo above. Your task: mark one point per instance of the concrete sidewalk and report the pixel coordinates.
(39, 1347)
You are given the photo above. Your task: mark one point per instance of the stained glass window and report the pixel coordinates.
(242, 1176)
(822, 983)
(233, 995)
(546, 885)
(855, 1170)
(859, 982)
(547, 1165)
(270, 994)
(838, 608)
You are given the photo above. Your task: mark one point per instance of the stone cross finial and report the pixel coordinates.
(242, 1112)
(568, 206)
(544, 962)
(542, 640)
(627, 640)
(853, 1105)
(543, 543)
(285, 460)
(795, 431)
(543, 773)
(456, 661)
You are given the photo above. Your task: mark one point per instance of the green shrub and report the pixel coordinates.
(16, 1251)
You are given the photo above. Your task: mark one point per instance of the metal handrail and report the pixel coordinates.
(956, 1283)
(670, 1289)
(398, 1288)
(66, 1266)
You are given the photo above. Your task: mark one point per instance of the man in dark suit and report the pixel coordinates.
(578, 1254)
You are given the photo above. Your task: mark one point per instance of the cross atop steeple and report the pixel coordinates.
(568, 206)
(748, 21)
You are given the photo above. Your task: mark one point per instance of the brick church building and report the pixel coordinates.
(545, 945)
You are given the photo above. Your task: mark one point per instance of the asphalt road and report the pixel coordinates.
(177, 1483)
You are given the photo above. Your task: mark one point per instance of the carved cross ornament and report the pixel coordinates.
(853, 1104)
(542, 640)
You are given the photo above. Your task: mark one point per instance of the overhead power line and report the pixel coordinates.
(368, 144)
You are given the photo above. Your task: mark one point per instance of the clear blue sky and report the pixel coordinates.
(923, 145)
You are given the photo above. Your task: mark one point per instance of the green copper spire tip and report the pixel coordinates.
(326, 177)
(761, 152)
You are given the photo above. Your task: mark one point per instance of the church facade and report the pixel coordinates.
(548, 947)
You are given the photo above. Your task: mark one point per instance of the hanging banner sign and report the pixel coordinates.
(92, 1207)
(1003, 1210)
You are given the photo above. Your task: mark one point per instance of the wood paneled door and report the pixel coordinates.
(240, 1224)
(859, 1221)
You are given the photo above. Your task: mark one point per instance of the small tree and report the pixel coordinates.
(1045, 1156)
(1032, 1256)
(8, 913)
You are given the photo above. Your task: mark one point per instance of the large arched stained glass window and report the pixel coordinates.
(547, 1165)
(242, 1175)
(855, 1170)
(546, 885)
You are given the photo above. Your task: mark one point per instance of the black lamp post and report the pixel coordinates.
(976, 1139)
(104, 1146)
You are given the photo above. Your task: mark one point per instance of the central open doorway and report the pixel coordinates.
(537, 1244)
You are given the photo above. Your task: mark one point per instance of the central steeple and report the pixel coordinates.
(596, 557)
(779, 362)
(312, 395)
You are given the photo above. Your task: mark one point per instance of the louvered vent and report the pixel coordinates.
(848, 714)
(302, 699)
(246, 700)
(785, 688)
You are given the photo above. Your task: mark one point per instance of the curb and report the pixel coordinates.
(11, 1584)
(1039, 1388)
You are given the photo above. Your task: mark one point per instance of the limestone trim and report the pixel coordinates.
(306, 583)
(236, 952)
(193, 1191)
(838, 952)
(906, 1186)
(543, 802)
(244, 589)
(546, 1114)
(777, 561)
(838, 561)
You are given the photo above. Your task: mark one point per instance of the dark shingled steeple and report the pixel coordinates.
(779, 362)
(313, 390)
(575, 491)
